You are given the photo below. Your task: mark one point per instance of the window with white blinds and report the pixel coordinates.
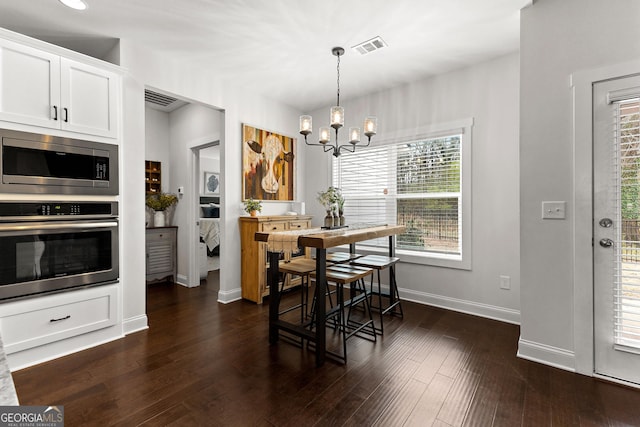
(416, 183)
(627, 276)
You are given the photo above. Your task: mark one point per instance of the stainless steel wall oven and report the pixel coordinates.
(34, 163)
(48, 246)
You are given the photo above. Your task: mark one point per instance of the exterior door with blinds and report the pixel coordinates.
(616, 232)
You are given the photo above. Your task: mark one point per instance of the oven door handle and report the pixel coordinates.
(61, 226)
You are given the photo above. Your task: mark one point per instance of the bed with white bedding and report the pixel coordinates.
(209, 234)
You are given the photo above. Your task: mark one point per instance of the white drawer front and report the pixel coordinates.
(61, 318)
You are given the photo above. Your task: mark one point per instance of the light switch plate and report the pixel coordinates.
(554, 210)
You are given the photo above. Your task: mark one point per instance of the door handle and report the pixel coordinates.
(606, 243)
(605, 222)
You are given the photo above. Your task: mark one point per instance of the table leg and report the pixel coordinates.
(274, 296)
(352, 291)
(321, 309)
(392, 253)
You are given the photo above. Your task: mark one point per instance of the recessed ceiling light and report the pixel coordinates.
(74, 4)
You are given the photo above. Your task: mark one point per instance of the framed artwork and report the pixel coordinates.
(268, 165)
(211, 184)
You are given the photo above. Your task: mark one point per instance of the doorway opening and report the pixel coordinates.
(172, 132)
(208, 206)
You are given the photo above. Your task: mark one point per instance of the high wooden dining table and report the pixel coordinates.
(320, 240)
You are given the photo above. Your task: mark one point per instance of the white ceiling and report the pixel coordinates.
(282, 48)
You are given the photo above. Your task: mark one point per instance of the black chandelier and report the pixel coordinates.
(337, 121)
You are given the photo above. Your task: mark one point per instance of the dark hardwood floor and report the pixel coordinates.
(204, 363)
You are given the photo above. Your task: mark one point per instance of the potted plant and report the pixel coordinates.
(160, 203)
(332, 200)
(252, 207)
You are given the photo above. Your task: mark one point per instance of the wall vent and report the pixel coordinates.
(369, 46)
(162, 102)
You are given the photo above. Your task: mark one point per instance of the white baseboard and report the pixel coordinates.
(44, 353)
(547, 355)
(469, 307)
(225, 297)
(135, 324)
(182, 280)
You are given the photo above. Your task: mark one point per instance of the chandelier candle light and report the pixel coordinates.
(337, 121)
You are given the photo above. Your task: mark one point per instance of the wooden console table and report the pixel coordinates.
(320, 240)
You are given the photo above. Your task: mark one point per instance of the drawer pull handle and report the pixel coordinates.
(68, 316)
(274, 228)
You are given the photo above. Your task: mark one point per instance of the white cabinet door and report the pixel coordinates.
(88, 99)
(29, 85)
(42, 89)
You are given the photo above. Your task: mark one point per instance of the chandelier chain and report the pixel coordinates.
(338, 68)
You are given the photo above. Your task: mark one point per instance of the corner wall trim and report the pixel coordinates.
(225, 297)
(464, 306)
(547, 355)
(135, 324)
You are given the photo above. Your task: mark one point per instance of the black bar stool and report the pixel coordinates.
(341, 257)
(302, 267)
(340, 275)
(378, 263)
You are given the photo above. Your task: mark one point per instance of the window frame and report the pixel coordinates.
(463, 127)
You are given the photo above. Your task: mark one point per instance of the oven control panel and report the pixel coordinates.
(31, 210)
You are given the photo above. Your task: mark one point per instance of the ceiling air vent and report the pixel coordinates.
(161, 101)
(369, 46)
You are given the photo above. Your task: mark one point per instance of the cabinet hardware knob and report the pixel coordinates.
(66, 115)
(68, 316)
(55, 112)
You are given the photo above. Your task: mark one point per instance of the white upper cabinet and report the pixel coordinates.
(29, 85)
(88, 99)
(43, 89)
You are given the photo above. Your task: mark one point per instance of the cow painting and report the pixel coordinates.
(268, 165)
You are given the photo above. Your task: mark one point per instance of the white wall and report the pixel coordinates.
(189, 126)
(157, 142)
(209, 162)
(559, 38)
(132, 207)
(202, 86)
(488, 93)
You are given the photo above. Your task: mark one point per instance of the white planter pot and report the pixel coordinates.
(159, 219)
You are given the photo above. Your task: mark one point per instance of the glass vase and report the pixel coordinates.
(328, 219)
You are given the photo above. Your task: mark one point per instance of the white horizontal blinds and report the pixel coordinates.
(626, 138)
(366, 180)
(416, 184)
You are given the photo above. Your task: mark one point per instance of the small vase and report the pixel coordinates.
(328, 220)
(253, 213)
(341, 217)
(159, 219)
(336, 218)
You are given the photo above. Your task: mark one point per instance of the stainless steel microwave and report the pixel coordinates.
(34, 164)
